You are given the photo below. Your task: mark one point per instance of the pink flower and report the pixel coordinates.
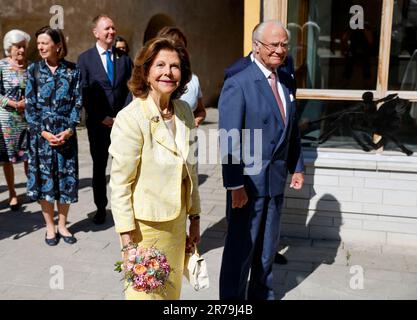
(154, 264)
(146, 269)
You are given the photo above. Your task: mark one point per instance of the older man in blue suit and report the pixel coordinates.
(259, 105)
(243, 63)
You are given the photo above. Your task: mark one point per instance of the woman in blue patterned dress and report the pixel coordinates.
(12, 106)
(53, 104)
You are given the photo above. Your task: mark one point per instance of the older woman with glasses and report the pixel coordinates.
(12, 106)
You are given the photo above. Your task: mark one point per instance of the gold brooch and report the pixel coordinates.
(155, 119)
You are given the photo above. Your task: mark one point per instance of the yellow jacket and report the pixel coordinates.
(147, 166)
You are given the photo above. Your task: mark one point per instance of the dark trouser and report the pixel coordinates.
(99, 138)
(251, 244)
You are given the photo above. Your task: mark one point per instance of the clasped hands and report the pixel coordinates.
(18, 105)
(56, 140)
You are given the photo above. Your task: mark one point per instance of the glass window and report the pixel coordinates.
(327, 52)
(358, 125)
(403, 59)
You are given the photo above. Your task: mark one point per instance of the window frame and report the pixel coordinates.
(278, 9)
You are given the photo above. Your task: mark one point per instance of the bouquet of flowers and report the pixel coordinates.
(146, 269)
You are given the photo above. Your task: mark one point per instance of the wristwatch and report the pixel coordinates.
(194, 217)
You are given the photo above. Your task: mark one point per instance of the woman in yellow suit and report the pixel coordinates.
(153, 175)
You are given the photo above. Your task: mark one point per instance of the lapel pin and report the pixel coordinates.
(155, 119)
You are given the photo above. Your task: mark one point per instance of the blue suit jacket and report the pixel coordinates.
(101, 99)
(243, 63)
(247, 102)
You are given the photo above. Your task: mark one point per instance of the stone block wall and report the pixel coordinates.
(355, 197)
(214, 29)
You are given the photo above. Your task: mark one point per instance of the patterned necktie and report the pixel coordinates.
(110, 69)
(273, 83)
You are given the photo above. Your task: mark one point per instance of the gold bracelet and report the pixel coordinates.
(128, 247)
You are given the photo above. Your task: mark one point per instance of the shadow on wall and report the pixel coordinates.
(156, 23)
(306, 255)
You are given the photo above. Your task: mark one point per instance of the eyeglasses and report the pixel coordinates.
(274, 46)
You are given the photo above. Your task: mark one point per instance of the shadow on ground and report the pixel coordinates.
(213, 237)
(18, 224)
(87, 224)
(21, 223)
(303, 257)
(306, 255)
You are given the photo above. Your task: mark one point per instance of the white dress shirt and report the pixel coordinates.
(103, 56)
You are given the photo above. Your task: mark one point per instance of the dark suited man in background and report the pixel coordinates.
(105, 73)
(261, 97)
(243, 63)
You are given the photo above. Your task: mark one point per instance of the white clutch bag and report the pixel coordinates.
(195, 270)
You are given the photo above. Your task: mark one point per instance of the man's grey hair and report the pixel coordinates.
(14, 37)
(257, 32)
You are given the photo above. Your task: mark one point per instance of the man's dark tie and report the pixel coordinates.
(110, 69)
(273, 83)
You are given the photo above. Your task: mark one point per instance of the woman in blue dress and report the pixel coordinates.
(53, 104)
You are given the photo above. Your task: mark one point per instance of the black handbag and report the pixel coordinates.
(24, 140)
(67, 150)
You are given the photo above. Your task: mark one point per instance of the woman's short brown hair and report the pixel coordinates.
(139, 84)
(57, 37)
(173, 33)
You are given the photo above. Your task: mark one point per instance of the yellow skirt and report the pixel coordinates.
(169, 237)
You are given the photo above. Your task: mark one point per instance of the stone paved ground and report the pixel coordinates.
(316, 269)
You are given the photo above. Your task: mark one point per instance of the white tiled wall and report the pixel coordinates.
(353, 202)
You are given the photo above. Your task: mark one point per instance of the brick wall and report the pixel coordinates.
(355, 197)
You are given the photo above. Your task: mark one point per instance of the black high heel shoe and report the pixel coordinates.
(14, 207)
(51, 242)
(68, 239)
